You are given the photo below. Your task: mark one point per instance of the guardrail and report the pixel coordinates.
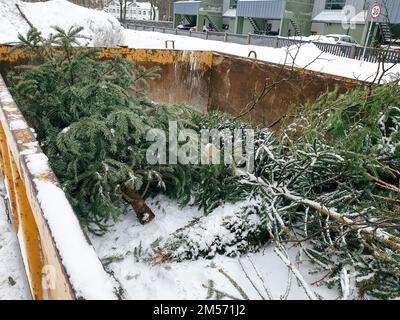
(352, 52)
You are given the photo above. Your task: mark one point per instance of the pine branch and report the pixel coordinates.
(24, 17)
(370, 232)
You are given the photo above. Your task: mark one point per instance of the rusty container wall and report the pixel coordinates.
(216, 81)
(235, 82)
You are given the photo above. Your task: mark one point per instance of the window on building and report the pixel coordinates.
(144, 13)
(140, 12)
(335, 4)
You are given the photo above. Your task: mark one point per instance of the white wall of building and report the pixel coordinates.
(134, 10)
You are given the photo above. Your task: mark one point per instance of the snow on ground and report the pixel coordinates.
(13, 282)
(101, 27)
(315, 38)
(119, 250)
(308, 56)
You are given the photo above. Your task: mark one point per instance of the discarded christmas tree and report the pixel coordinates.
(91, 117)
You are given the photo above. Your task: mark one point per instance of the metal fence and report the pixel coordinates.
(150, 23)
(352, 52)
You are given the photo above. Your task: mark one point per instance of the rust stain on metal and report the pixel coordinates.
(158, 56)
(235, 82)
(9, 55)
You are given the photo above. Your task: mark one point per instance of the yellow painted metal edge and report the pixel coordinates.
(37, 241)
(46, 270)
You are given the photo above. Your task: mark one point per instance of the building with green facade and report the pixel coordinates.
(291, 17)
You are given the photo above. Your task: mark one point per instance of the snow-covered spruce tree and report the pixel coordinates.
(91, 118)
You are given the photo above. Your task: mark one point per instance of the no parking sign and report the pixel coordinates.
(376, 11)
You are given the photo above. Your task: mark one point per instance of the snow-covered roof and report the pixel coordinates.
(141, 5)
(186, 1)
(339, 16)
(230, 13)
(360, 17)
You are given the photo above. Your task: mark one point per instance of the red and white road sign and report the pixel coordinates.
(376, 11)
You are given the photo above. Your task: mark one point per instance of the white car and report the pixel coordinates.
(343, 39)
(395, 45)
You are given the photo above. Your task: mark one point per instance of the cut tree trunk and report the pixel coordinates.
(143, 212)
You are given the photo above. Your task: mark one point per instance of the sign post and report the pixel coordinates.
(375, 13)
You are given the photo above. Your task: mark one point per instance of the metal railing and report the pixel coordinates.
(150, 23)
(352, 52)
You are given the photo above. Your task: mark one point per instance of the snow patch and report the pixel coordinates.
(38, 163)
(5, 96)
(102, 28)
(18, 125)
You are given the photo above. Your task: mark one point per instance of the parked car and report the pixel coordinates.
(394, 45)
(267, 33)
(343, 39)
(208, 28)
(185, 27)
(205, 29)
